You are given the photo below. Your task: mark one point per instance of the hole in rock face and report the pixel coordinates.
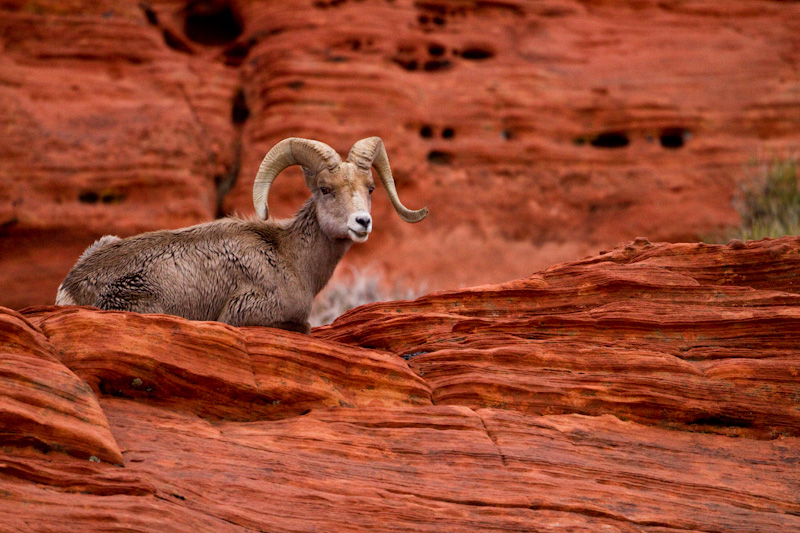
(436, 50)
(477, 53)
(612, 139)
(175, 42)
(89, 197)
(723, 421)
(331, 3)
(426, 132)
(434, 65)
(212, 22)
(239, 111)
(673, 138)
(448, 133)
(438, 157)
(408, 64)
(236, 53)
(149, 13)
(110, 197)
(107, 197)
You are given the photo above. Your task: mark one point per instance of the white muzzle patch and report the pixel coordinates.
(359, 226)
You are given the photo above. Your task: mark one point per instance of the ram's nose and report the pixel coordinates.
(359, 226)
(365, 221)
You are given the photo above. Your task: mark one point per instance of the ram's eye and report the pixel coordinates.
(325, 190)
(371, 188)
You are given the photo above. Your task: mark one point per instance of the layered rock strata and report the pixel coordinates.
(649, 388)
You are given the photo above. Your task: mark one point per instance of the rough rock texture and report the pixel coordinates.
(653, 387)
(536, 131)
(690, 341)
(44, 404)
(265, 376)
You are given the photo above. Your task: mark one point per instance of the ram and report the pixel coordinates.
(255, 272)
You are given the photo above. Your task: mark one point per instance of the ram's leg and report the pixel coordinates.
(149, 307)
(254, 308)
(133, 303)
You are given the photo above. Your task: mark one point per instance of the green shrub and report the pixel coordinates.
(357, 287)
(769, 203)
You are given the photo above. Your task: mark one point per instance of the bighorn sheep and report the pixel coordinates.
(256, 272)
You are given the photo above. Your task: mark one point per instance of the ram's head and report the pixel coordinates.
(340, 189)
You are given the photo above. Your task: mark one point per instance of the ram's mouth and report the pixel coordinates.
(357, 236)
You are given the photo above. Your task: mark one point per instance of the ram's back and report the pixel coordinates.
(189, 272)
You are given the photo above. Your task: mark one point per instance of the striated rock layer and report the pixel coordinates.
(653, 387)
(536, 131)
(688, 342)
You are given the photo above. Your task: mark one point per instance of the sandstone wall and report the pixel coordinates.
(534, 131)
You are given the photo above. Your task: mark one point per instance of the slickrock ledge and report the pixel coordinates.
(43, 404)
(653, 387)
(666, 334)
(217, 371)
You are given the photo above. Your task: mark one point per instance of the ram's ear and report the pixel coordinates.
(311, 178)
(371, 152)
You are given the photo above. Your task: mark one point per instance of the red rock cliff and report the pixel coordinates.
(653, 387)
(536, 132)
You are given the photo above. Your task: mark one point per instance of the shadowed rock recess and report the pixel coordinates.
(653, 387)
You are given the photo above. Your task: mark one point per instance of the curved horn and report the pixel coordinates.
(370, 151)
(313, 155)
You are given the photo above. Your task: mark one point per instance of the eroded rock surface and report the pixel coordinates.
(650, 388)
(44, 405)
(689, 344)
(536, 132)
(218, 371)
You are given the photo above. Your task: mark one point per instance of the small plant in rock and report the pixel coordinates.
(769, 203)
(357, 287)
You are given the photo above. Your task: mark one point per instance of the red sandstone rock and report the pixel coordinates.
(216, 370)
(639, 390)
(43, 405)
(692, 352)
(536, 132)
(496, 115)
(105, 130)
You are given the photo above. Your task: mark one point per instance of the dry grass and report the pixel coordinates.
(358, 287)
(768, 202)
